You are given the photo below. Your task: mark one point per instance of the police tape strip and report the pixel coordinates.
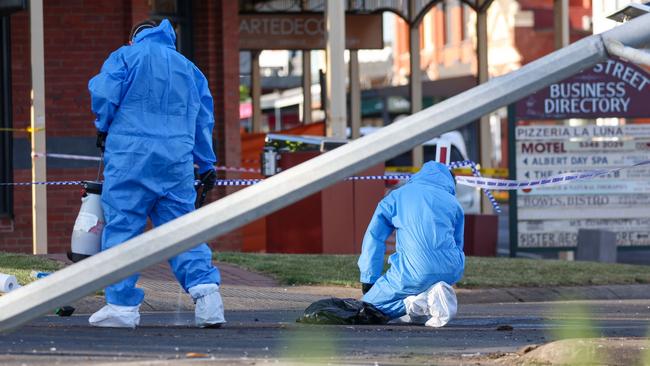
(477, 181)
(492, 172)
(507, 184)
(23, 129)
(49, 183)
(477, 174)
(68, 156)
(246, 182)
(97, 158)
(454, 165)
(218, 182)
(237, 169)
(380, 177)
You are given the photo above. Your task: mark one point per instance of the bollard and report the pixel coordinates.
(269, 161)
(596, 245)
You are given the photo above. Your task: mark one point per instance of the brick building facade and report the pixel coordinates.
(79, 35)
(519, 31)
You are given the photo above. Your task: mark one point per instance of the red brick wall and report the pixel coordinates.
(137, 11)
(216, 52)
(78, 38)
(531, 42)
(79, 35)
(63, 204)
(16, 235)
(539, 40)
(216, 45)
(20, 69)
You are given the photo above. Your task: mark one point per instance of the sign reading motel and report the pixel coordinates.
(306, 31)
(613, 88)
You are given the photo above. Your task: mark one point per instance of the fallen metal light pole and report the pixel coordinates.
(240, 208)
(637, 56)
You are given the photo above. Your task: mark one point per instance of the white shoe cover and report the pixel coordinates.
(435, 307)
(116, 316)
(209, 307)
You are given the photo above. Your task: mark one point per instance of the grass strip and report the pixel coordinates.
(480, 272)
(21, 265)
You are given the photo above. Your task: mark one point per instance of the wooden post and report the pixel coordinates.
(355, 95)
(485, 133)
(561, 23)
(306, 86)
(335, 48)
(256, 91)
(39, 174)
(415, 79)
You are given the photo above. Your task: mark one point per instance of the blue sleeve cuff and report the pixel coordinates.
(205, 168)
(101, 127)
(368, 278)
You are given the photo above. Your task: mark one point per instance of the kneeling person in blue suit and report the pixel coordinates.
(155, 114)
(429, 222)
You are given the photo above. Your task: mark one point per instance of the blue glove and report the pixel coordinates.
(101, 140)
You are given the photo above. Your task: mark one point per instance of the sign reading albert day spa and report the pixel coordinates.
(613, 88)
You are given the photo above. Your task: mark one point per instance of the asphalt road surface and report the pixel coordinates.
(268, 336)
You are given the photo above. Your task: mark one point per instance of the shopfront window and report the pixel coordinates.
(6, 153)
(179, 13)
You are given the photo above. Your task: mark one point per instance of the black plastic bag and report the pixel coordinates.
(342, 311)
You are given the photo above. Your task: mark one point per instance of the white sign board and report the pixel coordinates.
(563, 233)
(618, 201)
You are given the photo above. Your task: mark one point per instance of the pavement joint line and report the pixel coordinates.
(613, 292)
(514, 296)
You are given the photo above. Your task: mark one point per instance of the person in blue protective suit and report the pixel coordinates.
(154, 116)
(429, 222)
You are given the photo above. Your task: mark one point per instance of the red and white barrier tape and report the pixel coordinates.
(97, 158)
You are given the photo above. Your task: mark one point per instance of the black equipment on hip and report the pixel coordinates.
(206, 183)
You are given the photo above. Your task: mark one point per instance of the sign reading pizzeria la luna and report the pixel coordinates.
(613, 88)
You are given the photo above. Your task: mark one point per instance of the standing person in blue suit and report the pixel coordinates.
(429, 222)
(154, 117)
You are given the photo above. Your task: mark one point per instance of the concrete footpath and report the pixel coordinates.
(245, 290)
(492, 327)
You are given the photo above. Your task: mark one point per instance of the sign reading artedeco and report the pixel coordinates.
(614, 88)
(306, 31)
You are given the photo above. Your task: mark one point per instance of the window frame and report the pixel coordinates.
(182, 19)
(6, 116)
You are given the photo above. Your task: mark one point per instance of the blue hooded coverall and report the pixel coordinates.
(429, 223)
(157, 109)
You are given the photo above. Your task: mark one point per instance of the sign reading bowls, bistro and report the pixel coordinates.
(613, 88)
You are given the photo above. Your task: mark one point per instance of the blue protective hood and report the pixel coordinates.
(428, 224)
(435, 174)
(163, 33)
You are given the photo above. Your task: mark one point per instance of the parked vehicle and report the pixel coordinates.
(469, 197)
